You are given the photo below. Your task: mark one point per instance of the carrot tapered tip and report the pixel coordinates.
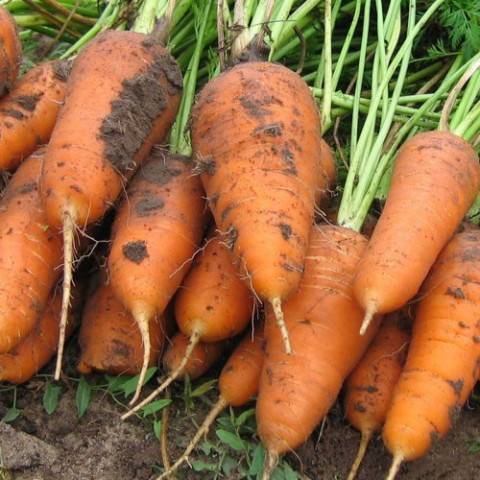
(194, 339)
(142, 321)
(397, 461)
(367, 319)
(68, 253)
(361, 453)
(271, 461)
(280, 319)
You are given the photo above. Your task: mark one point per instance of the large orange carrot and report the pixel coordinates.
(28, 114)
(256, 140)
(122, 97)
(38, 347)
(156, 232)
(435, 180)
(109, 338)
(444, 357)
(10, 51)
(370, 386)
(30, 255)
(296, 391)
(238, 383)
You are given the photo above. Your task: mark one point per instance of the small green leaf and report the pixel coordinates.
(155, 406)
(244, 416)
(157, 428)
(51, 397)
(83, 396)
(257, 461)
(228, 465)
(130, 385)
(11, 415)
(201, 466)
(206, 447)
(226, 423)
(115, 384)
(203, 388)
(230, 439)
(289, 473)
(475, 446)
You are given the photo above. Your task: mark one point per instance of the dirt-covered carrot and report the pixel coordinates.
(10, 51)
(157, 230)
(256, 140)
(238, 383)
(296, 391)
(29, 112)
(122, 96)
(30, 255)
(442, 365)
(110, 340)
(38, 347)
(370, 386)
(213, 303)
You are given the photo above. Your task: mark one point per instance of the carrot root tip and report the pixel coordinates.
(280, 319)
(203, 430)
(271, 461)
(361, 453)
(397, 462)
(367, 319)
(68, 254)
(194, 339)
(143, 325)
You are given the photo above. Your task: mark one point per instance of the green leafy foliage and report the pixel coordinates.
(51, 396)
(83, 396)
(11, 415)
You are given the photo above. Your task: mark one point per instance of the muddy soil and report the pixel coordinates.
(38, 446)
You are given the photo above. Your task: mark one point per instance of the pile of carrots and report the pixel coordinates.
(226, 241)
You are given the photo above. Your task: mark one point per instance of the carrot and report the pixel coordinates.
(121, 98)
(370, 386)
(443, 360)
(327, 172)
(213, 303)
(28, 114)
(238, 383)
(30, 254)
(296, 391)
(256, 140)
(204, 355)
(37, 348)
(155, 234)
(109, 338)
(435, 180)
(10, 51)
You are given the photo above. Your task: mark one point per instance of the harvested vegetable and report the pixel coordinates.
(110, 340)
(30, 255)
(238, 383)
(369, 387)
(121, 99)
(296, 391)
(442, 365)
(10, 52)
(29, 112)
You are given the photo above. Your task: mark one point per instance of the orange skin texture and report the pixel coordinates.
(78, 174)
(327, 172)
(109, 337)
(369, 387)
(323, 319)
(443, 361)
(213, 300)
(30, 254)
(256, 140)
(10, 51)
(20, 137)
(435, 180)
(240, 377)
(164, 217)
(22, 362)
(204, 355)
